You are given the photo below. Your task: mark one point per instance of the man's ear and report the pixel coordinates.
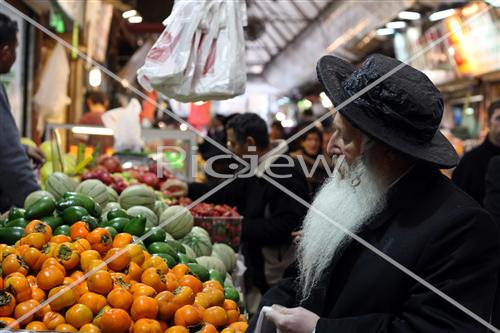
(250, 141)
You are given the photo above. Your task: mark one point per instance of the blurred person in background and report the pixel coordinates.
(18, 179)
(277, 131)
(310, 156)
(96, 103)
(471, 171)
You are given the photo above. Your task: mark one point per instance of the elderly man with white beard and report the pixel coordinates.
(387, 189)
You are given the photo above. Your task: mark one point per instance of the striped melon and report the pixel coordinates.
(225, 253)
(58, 183)
(150, 216)
(160, 207)
(189, 251)
(212, 263)
(34, 196)
(199, 231)
(95, 189)
(200, 245)
(177, 221)
(112, 195)
(138, 195)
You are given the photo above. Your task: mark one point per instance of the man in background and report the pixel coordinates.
(471, 171)
(17, 178)
(97, 104)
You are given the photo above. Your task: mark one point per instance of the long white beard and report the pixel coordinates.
(349, 200)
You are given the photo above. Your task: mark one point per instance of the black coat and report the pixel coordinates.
(491, 200)
(470, 173)
(433, 229)
(270, 215)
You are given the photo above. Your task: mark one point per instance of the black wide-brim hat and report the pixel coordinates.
(403, 110)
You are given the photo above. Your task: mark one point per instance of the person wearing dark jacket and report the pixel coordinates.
(269, 218)
(471, 171)
(388, 193)
(17, 177)
(491, 200)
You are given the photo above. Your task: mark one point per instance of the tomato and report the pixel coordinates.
(52, 320)
(14, 263)
(144, 307)
(66, 328)
(117, 259)
(187, 315)
(120, 280)
(5, 250)
(120, 298)
(115, 321)
(100, 239)
(37, 226)
(42, 311)
(239, 327)
(216, 296)
(191, 282)
(203, 300)
(133, 271)
(97, 318)
(215, 315)
(183, 296)
(208, 328)
(55, 263)
(213, 284)
(68, 257)
(19, 286)
(58, 239)
(81, 245)
(90, 328)
(37, 294)
(141, 289)
(7, 303)
(36, 239)
(79, 315)
(121, 240)
(166, 305)
(145, 325)
(177, 329)
(100, 282)
(156, 262)
(93, 301)
(136, 253)
(49, 277)
(155, 278)
(65, 297)
(86, 257)
(232, 311)
(34, 258)
(36, 326)
(79, 230)
(96, 265)
(25, 311)
(172, 282)
(10, 323)
(163, 325)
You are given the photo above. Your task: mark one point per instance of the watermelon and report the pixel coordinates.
(225, 253)
(34, 196)
(137, 195)
(177, 221)
(200, 245)
(58, 183)
(151, 218)
(95, 189)
(212, 263)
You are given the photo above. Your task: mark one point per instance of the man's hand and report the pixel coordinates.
(176, 188)
(294, 320)
(35, 154)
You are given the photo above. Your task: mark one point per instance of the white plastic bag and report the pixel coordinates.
(126, 126)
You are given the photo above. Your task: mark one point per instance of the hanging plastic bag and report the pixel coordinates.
(126, 126)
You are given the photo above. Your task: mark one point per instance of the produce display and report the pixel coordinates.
(100, 261)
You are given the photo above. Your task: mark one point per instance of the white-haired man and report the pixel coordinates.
(388, 190)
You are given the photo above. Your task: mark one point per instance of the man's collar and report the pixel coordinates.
(278, 148)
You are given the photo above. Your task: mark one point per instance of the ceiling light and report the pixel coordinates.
(256, 69)
(396, 25)
(95, 77)
(135, 19)
(183, 127)
(407, 15)
(385, 31)
(287, 123)
(470, 10)
(92, 130)
(441, 14)
(129, 13)
(280, 116)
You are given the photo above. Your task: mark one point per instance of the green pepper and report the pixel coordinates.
(171, 262)
(15, 213)
(118, 223)
(73, 214)
(116, 212)
(136, 226)
(42, 207)
(184, 259)
(232, 294)
(53, 221)
(199, 271)
(92, 221)
(177, 246)
(217, 276)
(78, 199)
(155, 235)
(111, 230)
(20, 222)
(62, 230)
(10, 235)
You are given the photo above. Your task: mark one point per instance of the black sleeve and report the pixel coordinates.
(491, 200)
(463, 263)
(228, 194)
(286, 214)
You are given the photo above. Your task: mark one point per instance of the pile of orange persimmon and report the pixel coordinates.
(95, 283)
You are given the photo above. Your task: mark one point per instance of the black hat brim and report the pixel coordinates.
(332, 71)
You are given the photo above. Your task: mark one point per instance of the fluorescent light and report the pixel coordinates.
(407, 15)
(396, 25)
(280, 116)
(385, 31)
(92, 130)
(287, 123)
(256, 69)
(135, 19)
(471, 9)
(469, 111)
(441, 14)
(95, 77)
(183, 127)
(129, 13)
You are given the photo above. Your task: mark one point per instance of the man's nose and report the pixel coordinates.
(333, 148)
